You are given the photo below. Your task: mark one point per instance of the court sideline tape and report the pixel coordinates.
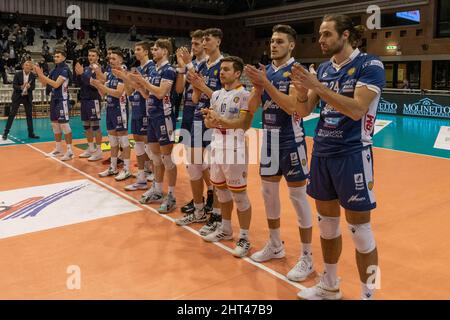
(126, 196)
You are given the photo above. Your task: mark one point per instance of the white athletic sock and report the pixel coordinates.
(172, 190)
(243, 234)
(126, 164)
(226, 226)
(275, 237)
(217, 211)
(91, 147)
(306, 249)
(330, 275)
(141, 176)
(158, 186)
(59, 146)
(199, 206)
(114, 163)
(366, 292)
(210, 188)
(69, 148)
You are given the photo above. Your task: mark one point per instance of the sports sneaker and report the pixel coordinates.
(137, 186)
(108, 172)
(194, 217)
(85, 154)
(123, 175)
(217, 235)
(168, 205)
(67, 156)
(54, 153)
(242, 248)
(213, 223)
(302, 269)
(151, 196)
(188, 207)
(209, 201)
(96, 156)
(321, 292)
(268, 252)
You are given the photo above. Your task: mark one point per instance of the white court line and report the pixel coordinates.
(126, 196)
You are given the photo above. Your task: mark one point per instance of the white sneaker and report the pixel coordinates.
(124, 174)
(268, 252)
(214, 222)
(242, 248)
(108, 172)
(97, 155)
(217, 236)
(85, 154)
(137, 186)
(151, 196)
(321, 292)
(192, 217)
(54, 153)
(302, 269)
(67, 156)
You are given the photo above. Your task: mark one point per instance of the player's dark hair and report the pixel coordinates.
(238, 63)
(164, 44)
(343, 23)
(61, 52)
(146, 45)
(286, 29)
(118, 52)
(95, 50)
(215, 32)
(198, 34)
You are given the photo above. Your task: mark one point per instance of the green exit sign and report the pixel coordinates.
(391, 47)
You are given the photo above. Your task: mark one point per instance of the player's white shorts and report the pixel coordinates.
(232, 176)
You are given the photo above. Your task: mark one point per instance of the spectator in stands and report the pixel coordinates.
(46, 29)
(12, 59)
(80, 36)
(44, 66)
(30, 35)
(102, 37)
(46, 51)
(4, 43)
(20, 40)
(133, 33)
(405, 84)
(59, 30)
(3, 74)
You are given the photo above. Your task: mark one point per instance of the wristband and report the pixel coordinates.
(190, 66)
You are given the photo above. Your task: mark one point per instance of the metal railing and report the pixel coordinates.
(417, 91)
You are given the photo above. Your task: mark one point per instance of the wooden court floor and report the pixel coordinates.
(143, 255)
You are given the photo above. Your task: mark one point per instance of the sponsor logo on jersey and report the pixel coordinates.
(236, 100)
(370, 185)
(286, 74)
(351, 71)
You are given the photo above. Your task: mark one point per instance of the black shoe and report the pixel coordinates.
(209, 201)
(188, 207)
(5, 136)
(33, 136)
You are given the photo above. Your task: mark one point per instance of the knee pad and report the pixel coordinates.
(65, 127)
(56, 128)
(156, 158)
(139, 148)
(167, 161)
(195, 171)
(271, 195)
(224, 195)
(302, 207)
(123, 140)
(241, 200)
(362, 237)
(86, 125)
(329, 227)
(113, 141)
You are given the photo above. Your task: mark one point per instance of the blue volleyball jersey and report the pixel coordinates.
(87, 92)
(61, 70)
(189, 106)
(212, 80)
(136, 100)
(289, 128)
(337, 134)
(161, 107)
(112, 82)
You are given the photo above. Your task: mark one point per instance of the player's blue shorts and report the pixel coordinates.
(117, 118)
(292, 163)
(161, 130)
(59, 110)
(349, 179)
(139, 125)
(90, 110)
(188, 118)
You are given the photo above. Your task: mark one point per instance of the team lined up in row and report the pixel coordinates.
(347, 90)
